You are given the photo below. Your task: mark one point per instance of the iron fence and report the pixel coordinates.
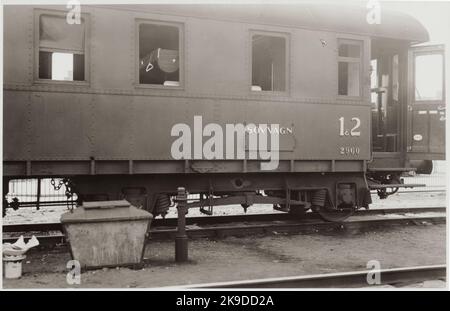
(37, 192)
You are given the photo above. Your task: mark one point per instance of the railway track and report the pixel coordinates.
(395, 277)
(241, 225)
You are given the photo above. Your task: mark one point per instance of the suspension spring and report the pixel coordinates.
(319, 197)
(162, 204)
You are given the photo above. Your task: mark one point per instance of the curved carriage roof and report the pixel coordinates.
(330, 17)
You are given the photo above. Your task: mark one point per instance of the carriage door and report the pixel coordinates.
(426, 103)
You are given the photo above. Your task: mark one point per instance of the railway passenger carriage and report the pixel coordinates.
(95, 102)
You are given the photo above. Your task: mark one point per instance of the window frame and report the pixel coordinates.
(269, 33)
(87, 40)
(414, 76)
(181, 44)
(360, 61)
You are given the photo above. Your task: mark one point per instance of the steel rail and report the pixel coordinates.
(211, 220)
(293, 226)
(244, 228)
(394, 276)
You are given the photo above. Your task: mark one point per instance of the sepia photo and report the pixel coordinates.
(246, 145)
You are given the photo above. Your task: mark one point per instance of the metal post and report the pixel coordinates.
(38, 196)
(181, 239)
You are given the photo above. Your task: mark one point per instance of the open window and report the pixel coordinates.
(269, 71)
(159, 54)
(349, 67)
(61, 48)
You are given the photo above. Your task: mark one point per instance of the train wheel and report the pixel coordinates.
(297, 211)
(329, 213)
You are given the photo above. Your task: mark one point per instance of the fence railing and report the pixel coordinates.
(37, 192)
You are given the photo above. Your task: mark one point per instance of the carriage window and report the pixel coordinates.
(428, 77)
(61, 49)
(268, 63)
(349, 68)
(159, 61)
(349, 50)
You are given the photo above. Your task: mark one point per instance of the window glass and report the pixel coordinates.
(349, 50)
(349, 79)
(349, 68)
(268, 63)
(428, 75)
(61, 49)
(159, 61)
(395, 77)
(374, 80)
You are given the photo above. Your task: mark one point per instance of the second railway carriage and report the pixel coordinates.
(102, 100)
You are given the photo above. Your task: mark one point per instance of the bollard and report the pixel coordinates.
(181, 239)
(13, 266)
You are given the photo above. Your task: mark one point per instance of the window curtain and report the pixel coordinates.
(56, 34)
